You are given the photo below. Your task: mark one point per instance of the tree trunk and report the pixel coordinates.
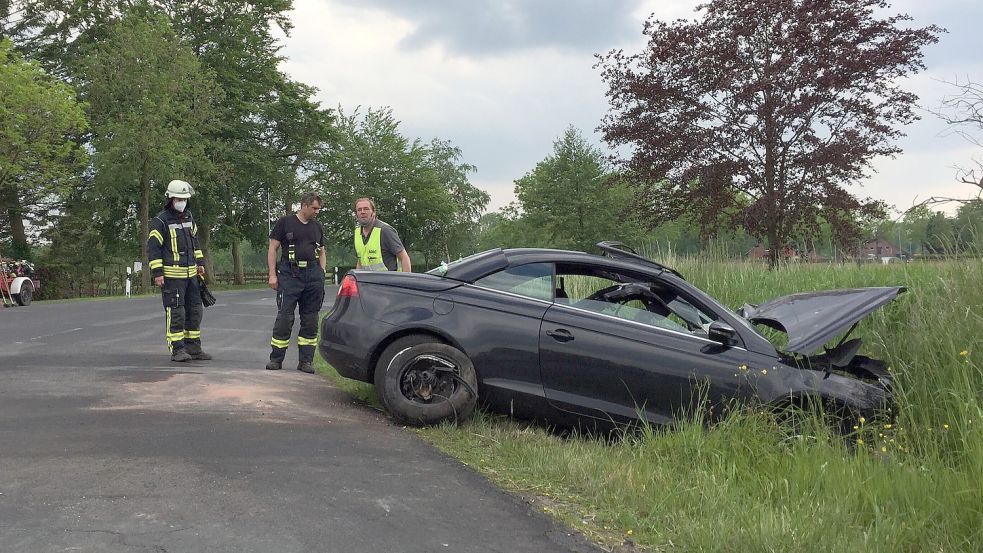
(18, 235)
(774, 250)
(239, 277)
(144, 209)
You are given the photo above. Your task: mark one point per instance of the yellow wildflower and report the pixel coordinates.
(862, 420)
(883, 449)
(964, 353)
(629, 532)
(888, 426)
(945, 426)
(860, 442)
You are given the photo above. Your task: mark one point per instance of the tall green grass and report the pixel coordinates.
(914, 483)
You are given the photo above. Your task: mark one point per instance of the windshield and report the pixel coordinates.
(718, 306)
(441, 270)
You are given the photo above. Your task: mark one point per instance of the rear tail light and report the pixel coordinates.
(349, 288)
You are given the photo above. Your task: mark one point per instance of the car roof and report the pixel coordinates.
(484, 263)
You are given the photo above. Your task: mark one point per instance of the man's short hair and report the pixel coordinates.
(310, 197)
(371, 203)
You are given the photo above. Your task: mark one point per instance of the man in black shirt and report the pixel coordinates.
(298, 278)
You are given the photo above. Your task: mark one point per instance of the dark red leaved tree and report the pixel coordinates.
(762, 112)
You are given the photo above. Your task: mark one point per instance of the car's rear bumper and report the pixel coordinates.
(348, 338)
(345, 361)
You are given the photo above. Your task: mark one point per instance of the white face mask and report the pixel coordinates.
(179, 205)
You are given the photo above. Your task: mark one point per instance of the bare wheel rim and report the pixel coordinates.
(428, 378)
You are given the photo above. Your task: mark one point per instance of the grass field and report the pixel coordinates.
(911, 484)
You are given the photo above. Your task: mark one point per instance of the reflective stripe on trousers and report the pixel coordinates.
(182, 312)
(306, 291)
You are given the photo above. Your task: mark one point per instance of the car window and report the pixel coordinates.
(534, 280)
(629, 297)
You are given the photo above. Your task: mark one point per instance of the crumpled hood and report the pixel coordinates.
(813, 318)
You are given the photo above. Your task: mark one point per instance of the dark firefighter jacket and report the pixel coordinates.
(173, 247)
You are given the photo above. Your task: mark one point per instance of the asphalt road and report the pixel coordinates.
(105, 445)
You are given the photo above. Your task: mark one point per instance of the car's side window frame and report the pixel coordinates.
(644, 277)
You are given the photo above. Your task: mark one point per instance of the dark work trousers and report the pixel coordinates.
(183, 310)
(303, 287)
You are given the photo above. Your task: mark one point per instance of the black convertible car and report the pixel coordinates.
(568, 337)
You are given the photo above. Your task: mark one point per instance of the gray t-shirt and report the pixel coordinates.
(391, 244)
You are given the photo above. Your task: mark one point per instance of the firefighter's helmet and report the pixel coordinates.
(179, 189)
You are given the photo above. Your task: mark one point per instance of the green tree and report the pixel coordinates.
(968, 226)
(151, 108)
(40, 120)
(271, 169)
(939, 235)
(915, 228)
(459, 237)
(77, 245)
(270, 129)
(421, 190)
(572, 200)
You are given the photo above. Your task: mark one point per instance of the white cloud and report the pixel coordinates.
(505, 109)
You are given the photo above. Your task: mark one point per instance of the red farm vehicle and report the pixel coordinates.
(17, 285)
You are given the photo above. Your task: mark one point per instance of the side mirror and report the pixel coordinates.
(721, 333)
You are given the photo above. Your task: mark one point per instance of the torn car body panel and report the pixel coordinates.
(812, 319)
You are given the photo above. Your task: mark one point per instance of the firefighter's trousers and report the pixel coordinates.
(303, 287)
(183, 310)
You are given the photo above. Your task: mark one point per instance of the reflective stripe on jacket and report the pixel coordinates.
(172, 247)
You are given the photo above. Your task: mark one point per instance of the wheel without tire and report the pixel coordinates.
(25, 295)
(421, 381)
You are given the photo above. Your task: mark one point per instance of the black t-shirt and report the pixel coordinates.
(306, 238)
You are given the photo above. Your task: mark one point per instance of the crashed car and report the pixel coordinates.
(568, 337)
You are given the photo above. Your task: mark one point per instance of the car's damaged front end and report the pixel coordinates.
(811, 320)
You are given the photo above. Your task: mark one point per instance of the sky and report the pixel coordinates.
(502, 79)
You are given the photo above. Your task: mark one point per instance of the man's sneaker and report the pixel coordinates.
(274, 366)
(305, 367)
(180, 356)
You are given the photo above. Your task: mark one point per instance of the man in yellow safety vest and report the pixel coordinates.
(377, 245)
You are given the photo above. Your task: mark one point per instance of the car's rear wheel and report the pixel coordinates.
(25, 295)
(421, 381)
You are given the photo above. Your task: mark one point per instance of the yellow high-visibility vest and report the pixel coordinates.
(370, 253)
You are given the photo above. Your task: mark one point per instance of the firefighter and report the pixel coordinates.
(177, 264)
(298, 278)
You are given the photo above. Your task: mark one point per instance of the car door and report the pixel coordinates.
(496, 320)
(614, 361)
